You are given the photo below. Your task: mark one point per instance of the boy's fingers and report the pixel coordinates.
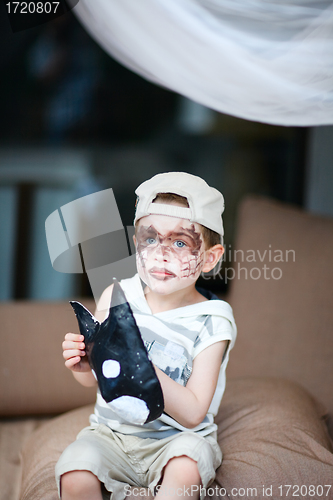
(72, 361)
(76, 337)
(72, 345)
(71, 353)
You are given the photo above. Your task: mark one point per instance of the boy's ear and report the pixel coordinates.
(134, 239)
(213, 255)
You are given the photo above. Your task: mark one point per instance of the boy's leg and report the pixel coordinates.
(80, 485)
(96, 453)
(181, 478)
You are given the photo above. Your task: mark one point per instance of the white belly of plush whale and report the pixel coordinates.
(132, 409)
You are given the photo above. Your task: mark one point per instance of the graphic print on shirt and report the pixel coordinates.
(171, 359)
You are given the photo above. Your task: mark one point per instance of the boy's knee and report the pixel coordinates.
(185, 468)
(76, 482)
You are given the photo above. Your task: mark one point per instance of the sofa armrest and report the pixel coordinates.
(33, 377)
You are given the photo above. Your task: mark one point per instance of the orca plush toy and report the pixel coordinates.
(119, 360)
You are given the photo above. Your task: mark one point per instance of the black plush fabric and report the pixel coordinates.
(118, 338)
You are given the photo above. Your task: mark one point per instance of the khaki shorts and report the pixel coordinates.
(120, 461)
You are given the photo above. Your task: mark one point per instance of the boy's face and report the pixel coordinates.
(170, 252)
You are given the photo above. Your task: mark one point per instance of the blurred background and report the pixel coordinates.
(74, 121)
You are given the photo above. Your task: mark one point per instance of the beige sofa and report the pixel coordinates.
(275, 415)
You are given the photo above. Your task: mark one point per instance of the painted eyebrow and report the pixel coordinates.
(148, 230)
(184, 232)
(180, 235)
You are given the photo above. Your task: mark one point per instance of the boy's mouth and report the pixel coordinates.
(161, 273)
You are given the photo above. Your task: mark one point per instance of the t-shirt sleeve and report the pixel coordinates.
(215, 329)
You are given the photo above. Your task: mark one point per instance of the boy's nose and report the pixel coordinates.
(161, 252)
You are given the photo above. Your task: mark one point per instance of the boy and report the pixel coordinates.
(188, 336)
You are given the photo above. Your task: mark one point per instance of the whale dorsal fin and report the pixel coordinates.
(88, 324)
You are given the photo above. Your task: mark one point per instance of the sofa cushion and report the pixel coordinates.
(284, 312)
(13, 434)
(33, 377)
(271, 433)
(43, 449)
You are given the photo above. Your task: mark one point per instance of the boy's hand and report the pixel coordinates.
(74, 354)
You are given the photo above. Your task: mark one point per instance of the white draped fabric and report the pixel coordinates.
(263, 60)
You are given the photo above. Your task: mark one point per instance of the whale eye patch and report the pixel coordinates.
(117, 355)
(111, 368)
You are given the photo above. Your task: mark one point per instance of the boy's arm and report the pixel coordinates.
(189, 405)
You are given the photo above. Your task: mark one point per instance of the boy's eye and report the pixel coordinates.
(180, 244)
(151, 241)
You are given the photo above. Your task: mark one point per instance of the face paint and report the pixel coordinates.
(170, 252)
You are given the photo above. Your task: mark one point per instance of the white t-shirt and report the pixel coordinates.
(173, 339)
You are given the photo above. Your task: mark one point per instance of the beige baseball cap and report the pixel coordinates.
(206, 204)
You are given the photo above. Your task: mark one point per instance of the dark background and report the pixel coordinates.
(61, 94)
